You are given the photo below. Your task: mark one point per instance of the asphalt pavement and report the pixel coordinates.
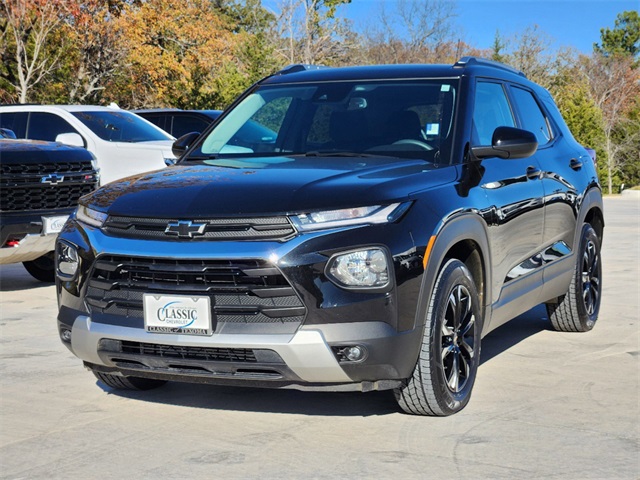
(546, 405)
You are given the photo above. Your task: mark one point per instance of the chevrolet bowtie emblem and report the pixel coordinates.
(52, 179)
(185, 229)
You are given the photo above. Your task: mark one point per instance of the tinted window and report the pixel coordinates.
(120, 126)
(491, 110)
(531, 116)
(15, 121)
(188, 123)
(157, 119)
(47, 126)
(397, 118)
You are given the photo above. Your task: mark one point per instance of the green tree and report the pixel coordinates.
(497, 48)
(624, 38)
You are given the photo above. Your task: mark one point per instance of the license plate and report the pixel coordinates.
(53, 224)
(179, 314)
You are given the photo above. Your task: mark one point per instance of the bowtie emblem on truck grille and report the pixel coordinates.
(185, 229)
(53, 179)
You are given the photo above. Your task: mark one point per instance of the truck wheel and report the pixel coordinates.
(42, 268)
(577, 310)
(446, 369)
(120, 382)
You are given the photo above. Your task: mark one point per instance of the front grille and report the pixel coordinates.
(34, 171)
(241, 291)
(42, 197)
(256, 228)
(45, 186)
(206, 354)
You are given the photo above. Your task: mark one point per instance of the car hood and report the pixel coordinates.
(266, 186)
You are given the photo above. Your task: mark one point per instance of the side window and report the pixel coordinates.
(15, 121)
(531, 116)
(188, 123)
(490, 111)
(47, 126)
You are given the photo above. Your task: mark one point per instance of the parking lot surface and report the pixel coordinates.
(546, 405)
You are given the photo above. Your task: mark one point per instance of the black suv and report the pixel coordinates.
(396, 215)
(40, 185)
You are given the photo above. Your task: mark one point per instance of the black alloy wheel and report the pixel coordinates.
(458, 332)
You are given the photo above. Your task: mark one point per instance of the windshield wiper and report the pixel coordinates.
(213, 156)
(331, 153)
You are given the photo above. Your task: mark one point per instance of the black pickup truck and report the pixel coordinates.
(40, 185)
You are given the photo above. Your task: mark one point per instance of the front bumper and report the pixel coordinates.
(29, 248)
(383, 322)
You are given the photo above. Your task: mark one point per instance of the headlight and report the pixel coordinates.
(366, 268)
(349, 216)
(90, 216)
(66, 260)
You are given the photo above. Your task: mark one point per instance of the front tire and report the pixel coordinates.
(577, 310)
(42, 268)
(446, 368)
(120, 382)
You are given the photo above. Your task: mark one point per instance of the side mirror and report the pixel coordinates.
(508, 142)
(182, 144)
(6, 133)
(71, 138)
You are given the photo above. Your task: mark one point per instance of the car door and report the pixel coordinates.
(515, 213)
(562, 178)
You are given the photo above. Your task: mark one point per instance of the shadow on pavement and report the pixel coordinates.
(346, 404)
(513, 332)
(14, 277)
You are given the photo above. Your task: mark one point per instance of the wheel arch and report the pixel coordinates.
(463, 237)
(591, 212)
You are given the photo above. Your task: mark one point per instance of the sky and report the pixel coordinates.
(574, 23)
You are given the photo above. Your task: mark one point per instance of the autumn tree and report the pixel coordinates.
(176, 50)
(309, 31)
(99, 51)
(27, 26)
(415, 31)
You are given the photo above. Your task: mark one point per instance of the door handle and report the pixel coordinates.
(533, 173)
(575, 164)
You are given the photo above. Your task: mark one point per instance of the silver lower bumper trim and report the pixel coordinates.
(29, 248)
(306, 352)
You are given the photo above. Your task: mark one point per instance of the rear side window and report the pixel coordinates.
(47, 126)
(183, 124)
(15, 121)
(490, 111)
(120, 126)
(531, 116)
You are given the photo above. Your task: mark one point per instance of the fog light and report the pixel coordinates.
(66, 260)
(360, 268)
(65, 335)
(354, 354)
(350, 353)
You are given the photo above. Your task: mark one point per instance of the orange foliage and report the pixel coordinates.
(175, 50)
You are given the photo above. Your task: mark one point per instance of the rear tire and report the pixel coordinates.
(577, 310)
(120, 382)
(446, 369)
(42, 268)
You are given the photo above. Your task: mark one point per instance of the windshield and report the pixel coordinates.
(399, 118)
(120, 126)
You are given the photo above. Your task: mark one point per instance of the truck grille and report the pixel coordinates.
(241, 291)
(257, 228)
(45, 186)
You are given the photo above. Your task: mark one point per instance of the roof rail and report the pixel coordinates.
(464, 61)
(299, 67)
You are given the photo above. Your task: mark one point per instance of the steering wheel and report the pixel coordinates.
(412, 141)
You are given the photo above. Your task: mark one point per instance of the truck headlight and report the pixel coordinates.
(66, 260)
(375, 214)
(366, 268)
(90, 216)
